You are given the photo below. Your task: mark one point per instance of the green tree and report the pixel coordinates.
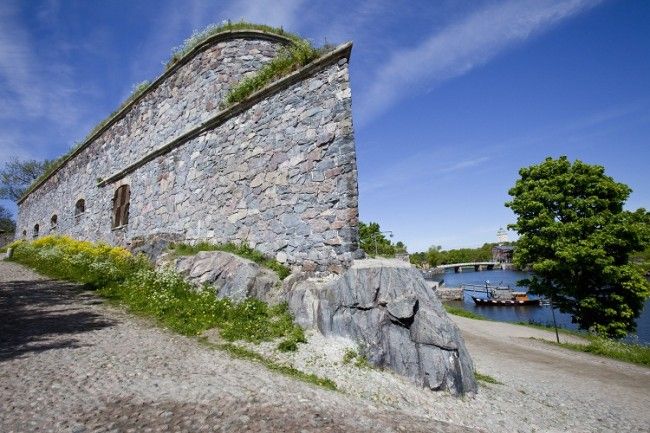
(16, 176)
(372, 239)
(576, 239)
(7, 223)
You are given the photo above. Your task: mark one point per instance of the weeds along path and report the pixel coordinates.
(69, 362)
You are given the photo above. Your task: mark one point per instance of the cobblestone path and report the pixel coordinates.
(70, 363)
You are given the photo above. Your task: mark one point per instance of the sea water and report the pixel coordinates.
(540, 315)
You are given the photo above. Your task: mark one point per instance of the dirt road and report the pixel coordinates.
(606, 395)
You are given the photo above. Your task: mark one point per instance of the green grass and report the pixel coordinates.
(199, 36)
(486, 378)
(243, 353)
(550, 328)
(167, 298)
(163, 295)
(621, 351)
(459, 311)
(288, 60)
(352, 356)
(241, 250)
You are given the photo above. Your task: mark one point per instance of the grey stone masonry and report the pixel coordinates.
(279, 174)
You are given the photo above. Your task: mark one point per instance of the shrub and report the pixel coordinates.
(84, 262)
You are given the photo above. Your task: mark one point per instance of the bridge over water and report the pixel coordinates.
(478, 266)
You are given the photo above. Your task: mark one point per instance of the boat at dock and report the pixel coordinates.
(517, 301)
(499, 296)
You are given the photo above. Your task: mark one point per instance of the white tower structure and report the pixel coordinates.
(502, 236)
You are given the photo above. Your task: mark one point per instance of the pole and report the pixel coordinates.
(557, 336)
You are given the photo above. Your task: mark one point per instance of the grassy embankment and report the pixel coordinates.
(166, 297)
(621, 351)
(241, 250)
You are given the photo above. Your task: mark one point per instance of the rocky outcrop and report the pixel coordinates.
(234, 277)
(383, 305)
(386, 307)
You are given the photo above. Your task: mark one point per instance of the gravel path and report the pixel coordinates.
(69, 363)
(584, 392)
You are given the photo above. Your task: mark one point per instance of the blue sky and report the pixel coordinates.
(450, 98)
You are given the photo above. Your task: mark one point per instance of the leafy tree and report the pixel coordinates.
(16, 176)
(7, 223)
(372, 239)
(418, 259)
(435, 255)
(577, 240)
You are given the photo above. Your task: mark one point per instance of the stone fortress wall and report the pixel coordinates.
(276, 171)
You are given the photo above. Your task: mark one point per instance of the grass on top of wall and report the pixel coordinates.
(241, 250)
(288, 60)
(199, 36)
(163, 295)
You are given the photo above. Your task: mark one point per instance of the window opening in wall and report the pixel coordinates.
(35, 232)
(24, 233)
(121, 206)
(79, 207)
(53, 222)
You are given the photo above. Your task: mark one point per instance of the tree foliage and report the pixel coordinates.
(372, 239)
(435, 255)
(17, 175)
(576, 239)
(7, 223)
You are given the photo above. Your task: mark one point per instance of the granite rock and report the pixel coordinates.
(399, 324)
(234, 277)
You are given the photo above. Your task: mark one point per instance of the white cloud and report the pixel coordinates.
(462, 46)
(36, 88)
(462, 165)
(16, 65)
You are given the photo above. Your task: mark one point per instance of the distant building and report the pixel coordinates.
(502, 253)
(502, 236)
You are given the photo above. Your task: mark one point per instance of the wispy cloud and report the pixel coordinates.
(36, 88)
(462, 46)
(421, 166)
(462, 165)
